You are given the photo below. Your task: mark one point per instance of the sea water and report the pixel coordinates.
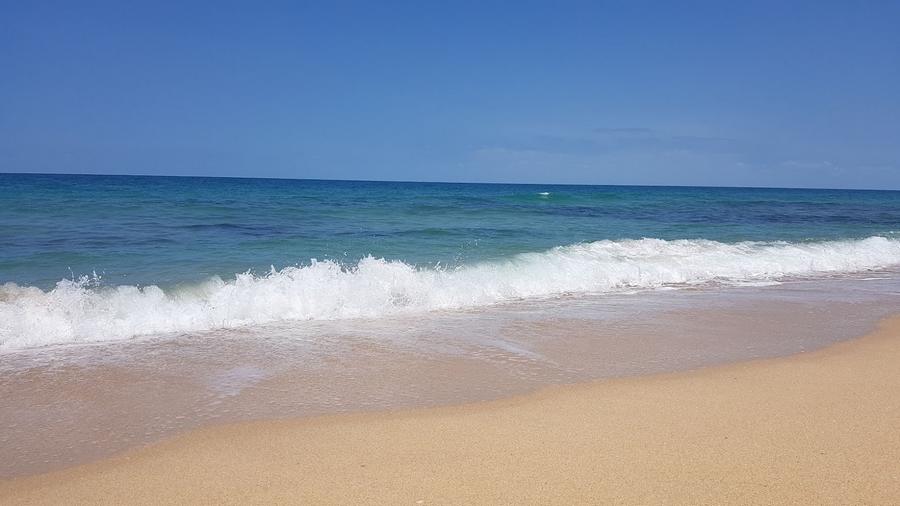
(133, 308)
(108, 258)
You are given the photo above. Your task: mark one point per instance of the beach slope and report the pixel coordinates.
(816, 428)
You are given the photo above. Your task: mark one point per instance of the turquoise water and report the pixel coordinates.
(110, 257)
(169, 230)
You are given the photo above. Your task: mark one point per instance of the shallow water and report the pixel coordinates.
(70, 404)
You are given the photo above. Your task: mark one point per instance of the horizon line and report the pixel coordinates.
(407, 181)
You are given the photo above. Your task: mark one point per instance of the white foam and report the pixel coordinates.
(75, 311)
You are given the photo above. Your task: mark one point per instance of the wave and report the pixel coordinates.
(81, 311)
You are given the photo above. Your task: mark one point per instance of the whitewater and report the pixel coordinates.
(85, 310)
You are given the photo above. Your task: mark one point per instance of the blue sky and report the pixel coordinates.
(719, 93)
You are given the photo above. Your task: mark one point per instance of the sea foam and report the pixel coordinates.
(78, 311)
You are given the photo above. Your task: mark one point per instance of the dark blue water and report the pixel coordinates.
(170, 230)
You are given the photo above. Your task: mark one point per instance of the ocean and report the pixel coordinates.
(136, 308)
(103, 258)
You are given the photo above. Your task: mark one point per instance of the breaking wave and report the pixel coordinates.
(79, 311)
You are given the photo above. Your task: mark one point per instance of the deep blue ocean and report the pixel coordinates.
(194, 253)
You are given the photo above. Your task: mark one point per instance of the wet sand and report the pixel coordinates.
(72, 405)
(815, 428)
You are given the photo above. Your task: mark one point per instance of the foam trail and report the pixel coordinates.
(76, 312)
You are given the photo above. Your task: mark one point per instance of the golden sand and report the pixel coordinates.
(817, 428)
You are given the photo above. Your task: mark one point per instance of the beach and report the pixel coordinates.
(818, 427)
(221, 340)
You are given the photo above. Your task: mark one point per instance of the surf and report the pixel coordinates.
(84, 310)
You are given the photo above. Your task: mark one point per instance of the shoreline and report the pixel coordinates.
(84, 404)
(811, 427)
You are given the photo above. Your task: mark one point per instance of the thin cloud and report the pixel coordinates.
(607, 140)
(623, 131)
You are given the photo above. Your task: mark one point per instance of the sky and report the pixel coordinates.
(784, 93)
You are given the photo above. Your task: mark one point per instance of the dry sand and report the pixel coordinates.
(817, 428)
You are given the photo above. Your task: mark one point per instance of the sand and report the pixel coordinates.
(815, 428)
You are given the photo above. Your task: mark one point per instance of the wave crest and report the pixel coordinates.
(78, 311)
